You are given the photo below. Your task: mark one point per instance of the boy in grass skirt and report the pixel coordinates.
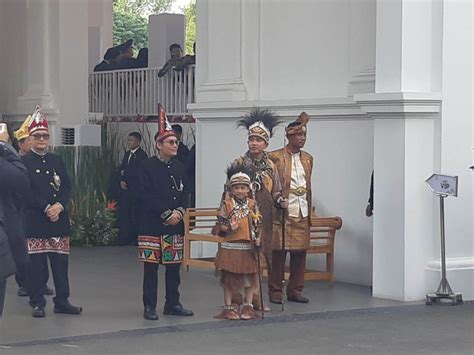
(236, 259)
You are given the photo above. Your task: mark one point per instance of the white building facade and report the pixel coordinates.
(388, 85)
(47, 49)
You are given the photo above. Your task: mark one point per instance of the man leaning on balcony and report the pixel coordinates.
(176, 54)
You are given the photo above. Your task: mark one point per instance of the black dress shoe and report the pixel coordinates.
(177, 310)
(150, 314)
(298, 299)
(67, 308)
(38, 312)
(47, 291)
(276, 300)
(22, 292)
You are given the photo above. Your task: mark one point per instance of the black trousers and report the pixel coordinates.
(127, 219)
(150, 284)
(35, 277)
(20, 276)
(3, 289)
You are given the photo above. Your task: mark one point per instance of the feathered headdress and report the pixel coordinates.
(260, 123)
(299, 125)
(238, 173)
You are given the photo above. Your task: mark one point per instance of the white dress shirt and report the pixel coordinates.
(297, 204)
(133, 151)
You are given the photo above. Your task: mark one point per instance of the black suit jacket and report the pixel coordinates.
(44, 192)
(162, 190)
(104, 66)
(13, 183)
(130, 167)
(183, 153)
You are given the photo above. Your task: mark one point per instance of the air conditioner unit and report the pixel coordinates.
(81, 135)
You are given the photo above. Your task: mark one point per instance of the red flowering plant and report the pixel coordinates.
(100, 228)
(111, 205)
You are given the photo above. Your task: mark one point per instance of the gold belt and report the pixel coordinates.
(299, 191)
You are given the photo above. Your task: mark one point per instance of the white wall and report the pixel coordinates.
(277, 49)
(304, 49)
(13, 57)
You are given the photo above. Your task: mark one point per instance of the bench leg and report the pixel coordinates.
(330, 267)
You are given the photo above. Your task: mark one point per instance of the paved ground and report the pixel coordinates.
(344, 319)
(107, 283)
(413, 330)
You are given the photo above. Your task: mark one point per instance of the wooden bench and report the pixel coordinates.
(323, 235)
(198, 223)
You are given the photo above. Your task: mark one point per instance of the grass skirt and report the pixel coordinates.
(237, 268)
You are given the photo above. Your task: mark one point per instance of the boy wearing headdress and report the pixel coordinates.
(236, 258)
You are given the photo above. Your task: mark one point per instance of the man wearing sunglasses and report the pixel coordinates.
(47, 222)
(161, 239)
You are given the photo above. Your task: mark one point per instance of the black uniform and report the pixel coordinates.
(191, 175)
(162, 186)
(105, 65)
(183, 153)
(128, 200)
(49, 184)
(13, 180)
(127, 63)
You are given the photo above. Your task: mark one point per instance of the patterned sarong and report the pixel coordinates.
(164, 249)
(58, 245)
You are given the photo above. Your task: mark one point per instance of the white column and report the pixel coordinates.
(100, 30)
(38, 53)
(404, 45)
(404, 109)
(362, 18)
(73, 73)
(219, 51)
(163, 31)
(456, 142)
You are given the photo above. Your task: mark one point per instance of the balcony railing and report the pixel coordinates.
(134, 92)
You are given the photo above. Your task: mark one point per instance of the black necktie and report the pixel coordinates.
(130, 157)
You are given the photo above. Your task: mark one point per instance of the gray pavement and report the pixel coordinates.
(413, 330)
(107, 283)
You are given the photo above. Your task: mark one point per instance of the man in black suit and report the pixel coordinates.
(110, 60)
(13, 185)
(183, 151)
(369, 210)
(126, 59)
(128, 200)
